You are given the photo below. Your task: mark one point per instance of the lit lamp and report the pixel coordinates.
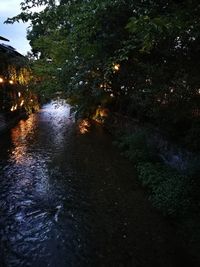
(116, 67)
(1, 80)
(11, 82)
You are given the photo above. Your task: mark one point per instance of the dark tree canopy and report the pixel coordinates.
(137, 57)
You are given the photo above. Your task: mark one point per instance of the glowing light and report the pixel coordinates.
(116, 67)
(84, 126)
(19, 94)
(1, 80)
(11, 82)
(111, 95)
(105, 86)
(22, 103)
(31, 100)
(13, 108)
(199, 91)
(100, 114)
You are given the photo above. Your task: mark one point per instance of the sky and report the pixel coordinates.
(16, 32)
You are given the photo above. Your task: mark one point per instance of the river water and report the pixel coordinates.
(67, 198)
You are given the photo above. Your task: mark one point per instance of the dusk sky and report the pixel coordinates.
(16, 32)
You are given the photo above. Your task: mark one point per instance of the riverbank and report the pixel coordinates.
(169, 172)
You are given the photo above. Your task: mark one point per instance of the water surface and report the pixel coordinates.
(67, 198)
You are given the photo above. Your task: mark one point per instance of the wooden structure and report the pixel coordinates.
(14, 78)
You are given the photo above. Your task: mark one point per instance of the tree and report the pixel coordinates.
(137, 57)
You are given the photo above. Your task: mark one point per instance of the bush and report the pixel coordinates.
(169, 189)
(136, 148)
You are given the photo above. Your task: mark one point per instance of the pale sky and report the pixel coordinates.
(16, 32)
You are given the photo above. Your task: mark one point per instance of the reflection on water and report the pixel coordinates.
(31, 195)
(57, 115)
(84, 126)
(67, 199)
(19, 138)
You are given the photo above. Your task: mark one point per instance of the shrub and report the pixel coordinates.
(136, 147)
(169, 189)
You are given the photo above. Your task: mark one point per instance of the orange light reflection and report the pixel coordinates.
(84, 126)
(18, 136)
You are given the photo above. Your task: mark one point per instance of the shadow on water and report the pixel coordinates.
(70, 199)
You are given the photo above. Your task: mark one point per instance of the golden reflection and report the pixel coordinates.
(18, 136)
(100, 114)
(84, 126)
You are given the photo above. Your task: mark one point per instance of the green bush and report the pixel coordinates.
(151, 174)
(169, 189)
(136, 147)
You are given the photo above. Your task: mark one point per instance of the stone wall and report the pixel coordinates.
(171, 154)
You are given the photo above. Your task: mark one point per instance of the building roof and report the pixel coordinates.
(4, 39)
(9, 50)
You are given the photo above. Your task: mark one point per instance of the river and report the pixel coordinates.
(69, 199)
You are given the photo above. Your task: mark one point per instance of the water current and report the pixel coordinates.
(69, 199)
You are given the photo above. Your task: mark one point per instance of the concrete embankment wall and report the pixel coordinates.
(171, 154)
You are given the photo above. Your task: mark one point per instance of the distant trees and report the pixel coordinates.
(137, 57)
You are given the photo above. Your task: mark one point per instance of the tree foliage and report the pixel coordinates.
(138, 57)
